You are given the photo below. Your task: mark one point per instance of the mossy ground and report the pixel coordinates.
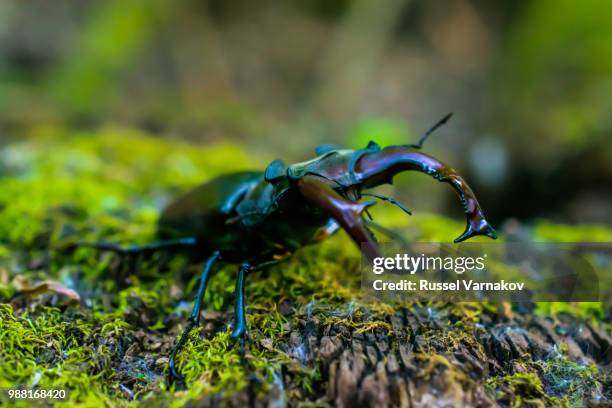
(305, 315)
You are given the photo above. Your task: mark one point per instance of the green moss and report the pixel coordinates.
(557, 381)
(111, 185)
(519, 389)
(49, 349)
(576, 383)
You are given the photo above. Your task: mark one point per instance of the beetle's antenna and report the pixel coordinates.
(390, 200)
(431, 130)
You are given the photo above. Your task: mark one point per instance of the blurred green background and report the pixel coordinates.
(530, 84)
(110, 97)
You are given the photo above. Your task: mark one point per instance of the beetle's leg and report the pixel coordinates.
(347, 213)
(240, 324)
(138, 249)
(387, 231)
(194, 318)
(133, 252)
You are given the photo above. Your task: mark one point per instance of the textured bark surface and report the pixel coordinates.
(426, 360)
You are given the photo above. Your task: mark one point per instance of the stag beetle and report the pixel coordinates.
(259, 218)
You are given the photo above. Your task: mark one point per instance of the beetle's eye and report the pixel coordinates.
(372, 145)
(276, 171)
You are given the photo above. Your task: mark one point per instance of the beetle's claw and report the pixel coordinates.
(174, 377)
(173, 371)
(481, 227)
(363, 206)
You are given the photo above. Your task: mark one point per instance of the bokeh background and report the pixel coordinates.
(530, 84)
